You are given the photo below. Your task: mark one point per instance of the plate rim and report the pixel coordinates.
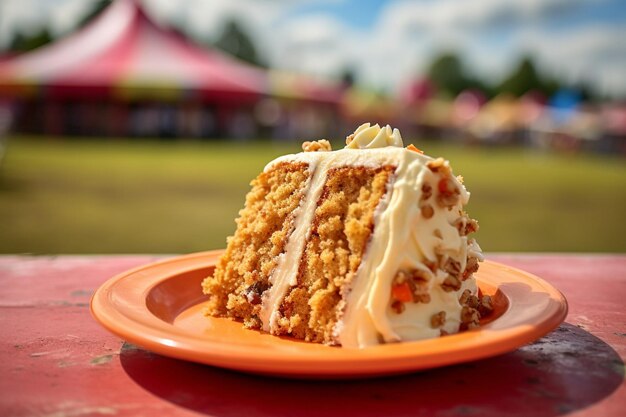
(304, 360)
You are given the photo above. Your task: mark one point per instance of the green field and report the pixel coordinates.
(122, 196)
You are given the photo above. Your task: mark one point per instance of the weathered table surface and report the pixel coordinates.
(55, 360)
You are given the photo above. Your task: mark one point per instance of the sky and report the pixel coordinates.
(389, 43)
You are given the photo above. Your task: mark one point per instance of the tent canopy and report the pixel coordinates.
(123, 54)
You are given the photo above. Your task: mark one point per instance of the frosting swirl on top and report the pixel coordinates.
(370, 137)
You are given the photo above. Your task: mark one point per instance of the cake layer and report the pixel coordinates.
(339, 234)
(252, 254)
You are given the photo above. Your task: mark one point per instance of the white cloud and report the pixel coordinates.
(15, 16)
(64, 16)
(318, 44)
(594, 54)
(205, 19)
(452, 14)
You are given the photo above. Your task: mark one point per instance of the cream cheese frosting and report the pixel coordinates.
(403, 239)
(370, 137)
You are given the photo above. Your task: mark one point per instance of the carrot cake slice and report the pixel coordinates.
(356, 247)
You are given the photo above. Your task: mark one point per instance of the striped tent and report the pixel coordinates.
(123, 54)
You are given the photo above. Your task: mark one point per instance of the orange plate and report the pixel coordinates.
(159, 307)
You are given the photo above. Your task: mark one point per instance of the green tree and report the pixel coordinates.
(98, 7)
(550, 86)
(23, 43)
(236, 42)
(523, 79)
(347, 77)
(448, 75)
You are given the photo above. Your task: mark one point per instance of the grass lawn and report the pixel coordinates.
(122, 196)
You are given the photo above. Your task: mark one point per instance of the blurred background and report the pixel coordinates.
(135, 126)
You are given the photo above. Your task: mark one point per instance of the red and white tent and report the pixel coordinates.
(124, 54)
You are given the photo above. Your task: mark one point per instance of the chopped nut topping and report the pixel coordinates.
(459, 178)
(409, 286)
(486, 306)
(421, 297)
(449, 195)
(438, 320)
(316, 146)
(464, 297)
(349, 138)
(451, 283)
(440, 165)
(443, 332)
(431, 265)
(427, 192)
(397, 307)
(474, 308)
(460, 224)
(419, 279)
(471, 227)
(427, 211)
(452, 267)
(472, 301)
(469, 318)
(470, 267)
(465, 225)
(468, 300)
(419, 275)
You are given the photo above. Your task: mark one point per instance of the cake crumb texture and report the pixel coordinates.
(341, 229)
(263, 227)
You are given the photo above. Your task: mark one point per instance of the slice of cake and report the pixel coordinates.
(356, 247)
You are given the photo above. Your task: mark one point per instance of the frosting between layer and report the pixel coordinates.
(283, 277)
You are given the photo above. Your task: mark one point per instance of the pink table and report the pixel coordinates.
(55, 360)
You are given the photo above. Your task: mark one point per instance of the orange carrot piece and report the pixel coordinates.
(402, 292)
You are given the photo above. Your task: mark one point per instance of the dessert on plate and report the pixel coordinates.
(355, 247)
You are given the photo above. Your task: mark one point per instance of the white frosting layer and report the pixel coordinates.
(402, 239)
(283, 276)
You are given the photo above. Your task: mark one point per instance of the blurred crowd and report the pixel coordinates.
(562, 122)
